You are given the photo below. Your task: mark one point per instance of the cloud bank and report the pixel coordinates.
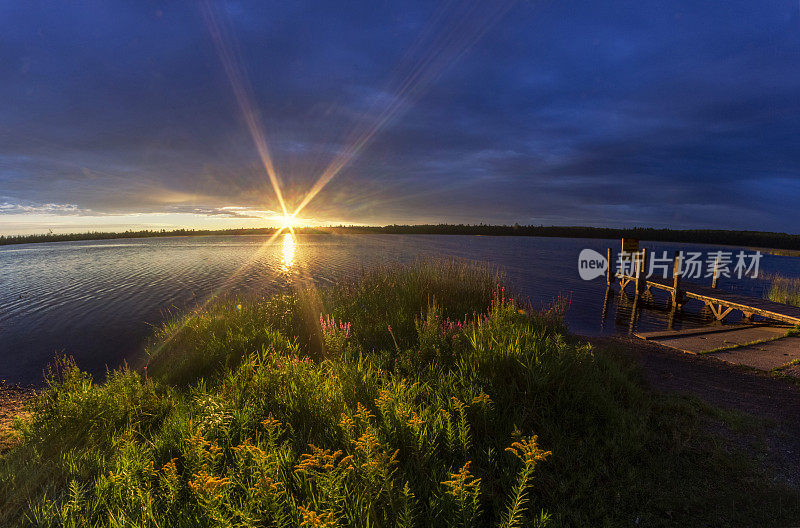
(679, 114)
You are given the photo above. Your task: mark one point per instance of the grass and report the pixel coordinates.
(790, 332)
(736, 346)
(415, 396)
(784, 290)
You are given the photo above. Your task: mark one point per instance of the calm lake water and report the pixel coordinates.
(98, 301)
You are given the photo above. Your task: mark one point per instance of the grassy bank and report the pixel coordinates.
(418, 396)
(784, 290)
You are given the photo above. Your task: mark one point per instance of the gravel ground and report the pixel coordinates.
(774, 401)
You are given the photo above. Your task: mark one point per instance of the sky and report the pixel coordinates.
(143, 114)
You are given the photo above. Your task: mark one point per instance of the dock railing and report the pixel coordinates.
(720, 302)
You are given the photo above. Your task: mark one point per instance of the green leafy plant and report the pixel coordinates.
(263, 415)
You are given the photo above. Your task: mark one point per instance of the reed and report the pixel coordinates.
(784, 290)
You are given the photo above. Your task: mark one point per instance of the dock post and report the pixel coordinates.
(609, 271)
(716, 273)
(671, 316)
(676, 280)
(641, 272)
(634, 313)
(606, 303)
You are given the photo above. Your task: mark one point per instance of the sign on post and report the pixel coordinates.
(629, 247)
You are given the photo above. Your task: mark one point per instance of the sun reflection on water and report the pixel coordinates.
(287, 258)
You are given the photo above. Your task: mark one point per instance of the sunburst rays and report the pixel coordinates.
(243, 91)
(452, 30)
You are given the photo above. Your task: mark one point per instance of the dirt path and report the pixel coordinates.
(12, 403)
(727, 386)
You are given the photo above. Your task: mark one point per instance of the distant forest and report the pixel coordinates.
(699, 236)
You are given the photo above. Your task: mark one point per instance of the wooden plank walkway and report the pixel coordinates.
(719, 301)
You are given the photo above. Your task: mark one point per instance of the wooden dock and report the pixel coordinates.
(720, 302)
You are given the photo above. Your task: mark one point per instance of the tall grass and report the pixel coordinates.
(419, 396)
(784, 290)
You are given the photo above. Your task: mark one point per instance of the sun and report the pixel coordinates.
(288, 222)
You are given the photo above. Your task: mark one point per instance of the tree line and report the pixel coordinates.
(699, 236)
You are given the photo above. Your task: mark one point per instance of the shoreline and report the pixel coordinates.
(13, 398)
(766, 240)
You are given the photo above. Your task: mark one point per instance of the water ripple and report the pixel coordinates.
(99, 300)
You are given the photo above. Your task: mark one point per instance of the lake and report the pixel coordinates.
(98, 301)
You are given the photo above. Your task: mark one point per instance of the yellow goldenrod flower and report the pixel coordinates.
(206, 485)
(463, 481)
(527, 450)
(312, 519)
(271, 423)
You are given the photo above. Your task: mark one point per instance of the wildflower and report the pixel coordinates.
(528, 451)
(206, 485)
(318, 460)
(384, 399)
(457, 404)
(248, 448)
(330, 326)
(170, 468)
(171, 480)
(207, 449)
(363, 414)
(482, 398)
(267, 484)
(367, 443)
(312, 519)
(347, 423)
(415, 421)
(463, 483)
(393, 339)
(270, 423)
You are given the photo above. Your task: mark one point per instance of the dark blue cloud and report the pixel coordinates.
(679, 114)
